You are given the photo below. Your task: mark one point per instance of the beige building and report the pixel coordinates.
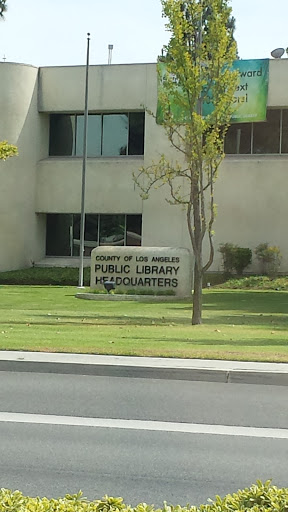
(42, 113)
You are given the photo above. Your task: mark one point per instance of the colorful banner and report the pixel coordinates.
(175, 109)
(250, 98)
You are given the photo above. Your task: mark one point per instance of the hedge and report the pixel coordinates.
(66, 276)
(260, 497)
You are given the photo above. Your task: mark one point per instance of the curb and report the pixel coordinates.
(123, 297)
(254, 377)
(227, 376)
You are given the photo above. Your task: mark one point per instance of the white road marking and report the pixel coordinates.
(163, 426)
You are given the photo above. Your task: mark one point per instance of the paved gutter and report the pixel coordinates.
(146, 367)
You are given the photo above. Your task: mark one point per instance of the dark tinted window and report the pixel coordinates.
(108, 134)
(112, 229)
(133, 229)
(266, 136)
(90, 236)
(238, 139)
(62, 135)
(115, 134)
(93, 135)
(58, 234)
(285, 132)
(136, 133)
(63, 232)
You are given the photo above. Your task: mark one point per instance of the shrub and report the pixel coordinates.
(261, 497)
(235, 258)
(61, 276)
(227, 251)
(136, 291)
(242, 258)
(256, 283)
(269, 257)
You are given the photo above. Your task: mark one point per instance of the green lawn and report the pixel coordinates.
(237, 324)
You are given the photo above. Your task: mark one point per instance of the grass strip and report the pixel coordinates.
(237, 324)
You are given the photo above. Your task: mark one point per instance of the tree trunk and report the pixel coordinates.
(197, 296)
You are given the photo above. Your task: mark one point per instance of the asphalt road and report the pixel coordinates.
(140, 464)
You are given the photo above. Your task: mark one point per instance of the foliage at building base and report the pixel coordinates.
(269, 257)
(235, 259)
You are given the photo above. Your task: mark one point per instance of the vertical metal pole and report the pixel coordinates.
(82, 220)
(110, 49)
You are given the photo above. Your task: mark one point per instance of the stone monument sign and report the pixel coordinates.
(161, 269)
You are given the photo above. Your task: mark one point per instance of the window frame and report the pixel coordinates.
(252, 142)
(74, 117)
(72, 236)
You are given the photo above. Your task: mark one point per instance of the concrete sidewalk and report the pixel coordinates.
(146, 367)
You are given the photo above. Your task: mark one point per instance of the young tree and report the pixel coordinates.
(3, 8)
(197, 73)
(7, 150)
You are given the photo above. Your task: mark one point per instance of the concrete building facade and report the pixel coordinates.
(40, 193)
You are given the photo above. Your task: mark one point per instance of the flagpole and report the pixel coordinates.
(84, 162)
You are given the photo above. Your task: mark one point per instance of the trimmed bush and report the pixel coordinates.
(66, 276)
(242, 258)
(256, 283)
(136, 291)
(235, 258)
(227, 251)
(269, 257)
(261, 497)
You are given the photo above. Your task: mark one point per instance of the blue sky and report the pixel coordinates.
(53, 32)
